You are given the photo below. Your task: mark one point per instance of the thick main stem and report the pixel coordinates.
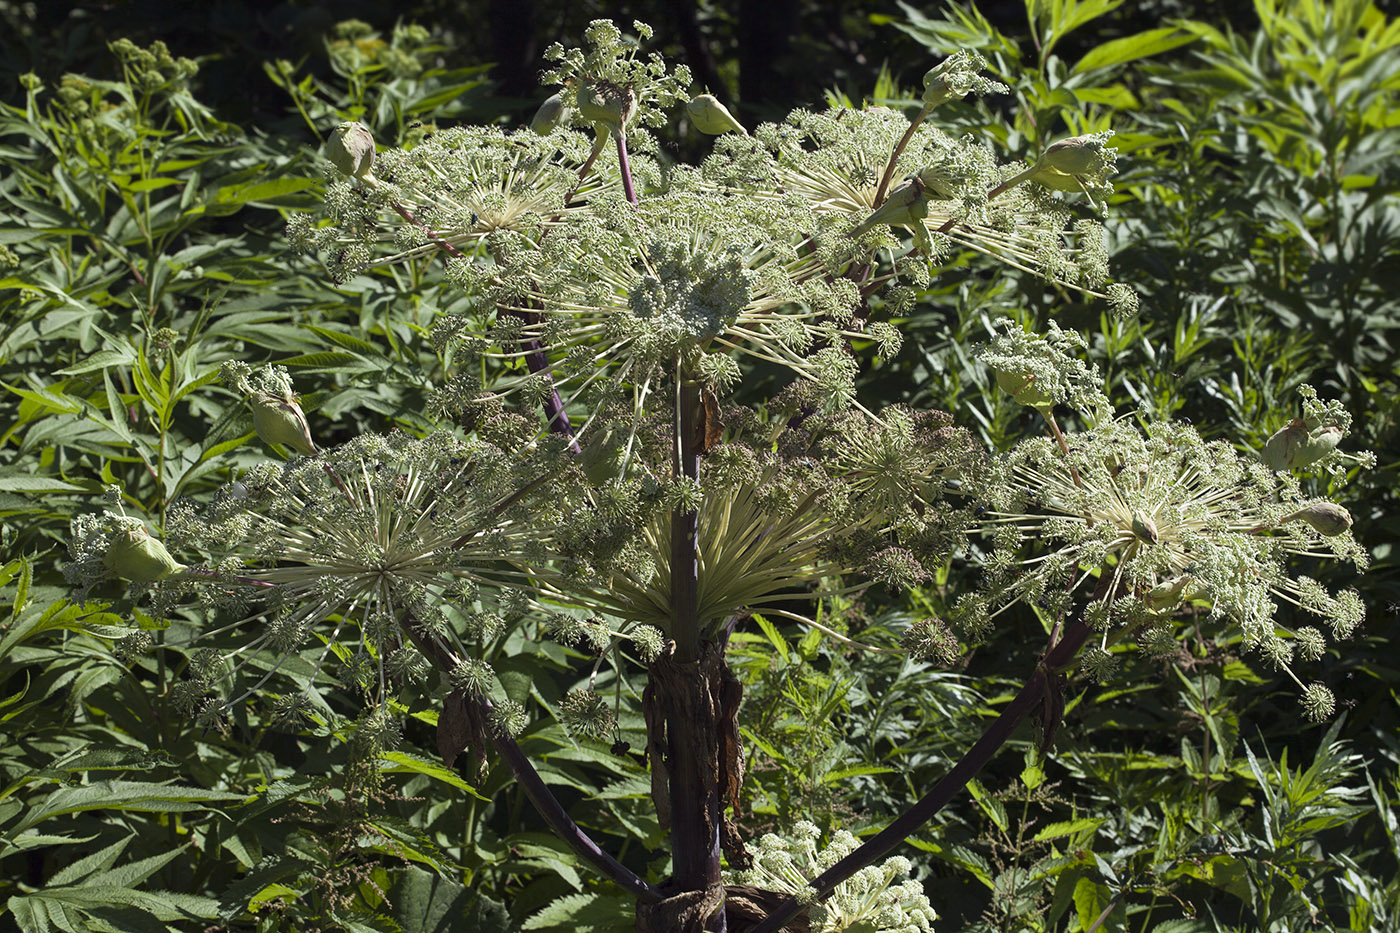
(689, 716)
(996, 735)
(687, 711)
(685, 545)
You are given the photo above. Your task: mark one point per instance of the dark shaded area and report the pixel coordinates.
(760, 55)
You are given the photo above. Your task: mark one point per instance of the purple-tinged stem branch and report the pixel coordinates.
(627, 188)
(557, 817)
(556, 418)
(952, 783)
(885, 179)
(538, 793)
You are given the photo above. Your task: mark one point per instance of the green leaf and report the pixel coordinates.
(584, 913)
(332, 362)
(151, 184)
(1070, 828)
(834, 776)
(33, 483)
(266, 191)
(347, 341)
(96, 862)
(774, 636)
(26, 578)
(1090, 898)
(404, 763)
(136, 796)
(1131, 48)
(102, 359)
(428, 903)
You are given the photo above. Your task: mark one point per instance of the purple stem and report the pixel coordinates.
(884, 842)
(627, 189)
(696, 810)
(555, 415)
(685, 525)
(558, 818)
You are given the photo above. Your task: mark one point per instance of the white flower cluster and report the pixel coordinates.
(873, 900)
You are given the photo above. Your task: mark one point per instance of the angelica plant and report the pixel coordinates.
(592, 480)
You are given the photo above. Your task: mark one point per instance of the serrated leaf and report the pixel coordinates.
(774, 636)
(586, 912)
(31, 483)
(1068, 828)
(1090, 899)
(328, 361)
(427, 903)
(347, 341)
(404, 763)
(834, 776)
(98, 861)
(102, 359)
(261, 190)
(136, 796)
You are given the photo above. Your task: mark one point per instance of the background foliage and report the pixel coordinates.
(142, 246)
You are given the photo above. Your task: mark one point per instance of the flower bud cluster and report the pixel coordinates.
(957, 76)
(105, 546)
(613, 86)
(1310, 441)
(1044, 371)
(586, 713)
(277, 415)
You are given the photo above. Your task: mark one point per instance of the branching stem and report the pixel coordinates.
(556, 418)
(885, 179)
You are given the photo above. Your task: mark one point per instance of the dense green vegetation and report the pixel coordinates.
(143, 246)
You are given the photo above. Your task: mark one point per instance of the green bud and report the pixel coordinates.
(712, 117)
(1293, 446)
(607, 106)
(1070, 164)
(1144, 527)
(936, 88)
(906, 205)
(281, 421)
(601, 456)
(1021, 387)
(1168, 593)
(350, 147)
(957, 76)
(1326, 518)
(135, 556)
(1078, 155)
(552, 113)
(1318, 444)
